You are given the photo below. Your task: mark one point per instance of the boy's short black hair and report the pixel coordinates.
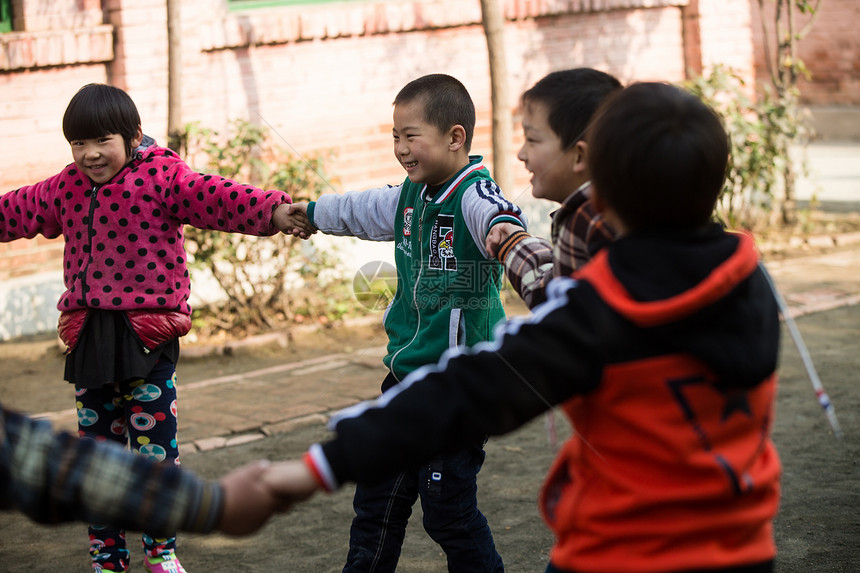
(446, 103)
(571, 98)
(658, 157)
(98, 110)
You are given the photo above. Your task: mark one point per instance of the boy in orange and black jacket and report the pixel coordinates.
(662, 351)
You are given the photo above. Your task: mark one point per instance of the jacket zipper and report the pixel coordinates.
(84, 271)
(415, 287)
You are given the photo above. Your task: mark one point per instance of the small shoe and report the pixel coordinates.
(166, 564)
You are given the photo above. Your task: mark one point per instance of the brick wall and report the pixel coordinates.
(333, 88)
(831, 52)
(725, 31)
(322, 76)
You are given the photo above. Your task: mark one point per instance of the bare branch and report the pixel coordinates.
(813, 17)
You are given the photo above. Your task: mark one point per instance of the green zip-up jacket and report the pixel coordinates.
(447, 287)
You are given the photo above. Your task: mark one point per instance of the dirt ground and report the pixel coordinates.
(817, 530)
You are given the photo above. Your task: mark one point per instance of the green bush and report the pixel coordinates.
(762, 131)
(267, 282)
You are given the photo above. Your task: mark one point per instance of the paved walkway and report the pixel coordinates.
(820, 282)
(283, 397)
(239, 408)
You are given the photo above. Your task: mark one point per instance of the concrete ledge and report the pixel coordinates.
(28, 305)
(293, 424)
(21, 50)
(284, 24)
(836, 123)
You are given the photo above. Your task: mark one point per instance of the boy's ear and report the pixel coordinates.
(457, 135)
(580, 156)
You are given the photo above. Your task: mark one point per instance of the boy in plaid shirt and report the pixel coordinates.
(556, 113)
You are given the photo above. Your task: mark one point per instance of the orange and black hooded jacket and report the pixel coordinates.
(662, 351)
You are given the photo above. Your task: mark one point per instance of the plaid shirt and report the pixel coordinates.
(54, 478)
(578, 232)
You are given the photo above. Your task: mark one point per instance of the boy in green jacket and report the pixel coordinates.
(447, 296)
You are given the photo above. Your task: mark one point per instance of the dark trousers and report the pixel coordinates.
(448, 491)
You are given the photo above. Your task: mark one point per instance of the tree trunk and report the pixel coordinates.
(493, 20)
(784, 68)
(174, 75)
(786, 65)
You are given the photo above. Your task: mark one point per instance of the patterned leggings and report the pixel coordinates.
(142, 415)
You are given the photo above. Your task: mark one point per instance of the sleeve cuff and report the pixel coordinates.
(312, 205)
(211, 508)
(319, 467)
(508, 217)
(509, 243)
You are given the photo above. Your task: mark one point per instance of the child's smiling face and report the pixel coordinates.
(420, 147)
(551, 166)
(101, 158)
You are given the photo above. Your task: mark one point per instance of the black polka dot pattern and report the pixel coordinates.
(124, 241)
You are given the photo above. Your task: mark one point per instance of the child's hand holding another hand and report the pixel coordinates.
(291, 482)
(497, 235)
(292, 219)
(248, 501)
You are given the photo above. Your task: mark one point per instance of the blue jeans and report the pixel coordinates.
(448, 490)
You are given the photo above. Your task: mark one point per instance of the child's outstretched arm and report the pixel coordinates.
(57, 477)
(486, 211)
(212, 202)
(367, 215)
(292, 481)
(529, 264)
(292, 219)
(490, 389)
(30, 210)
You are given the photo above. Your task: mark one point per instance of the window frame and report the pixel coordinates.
(5, 16)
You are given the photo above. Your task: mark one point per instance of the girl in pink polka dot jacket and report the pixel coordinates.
(121, 208)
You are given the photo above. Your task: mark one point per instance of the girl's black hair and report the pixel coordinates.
(98, 110)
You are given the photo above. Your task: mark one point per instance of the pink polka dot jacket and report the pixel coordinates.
(124, 241)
